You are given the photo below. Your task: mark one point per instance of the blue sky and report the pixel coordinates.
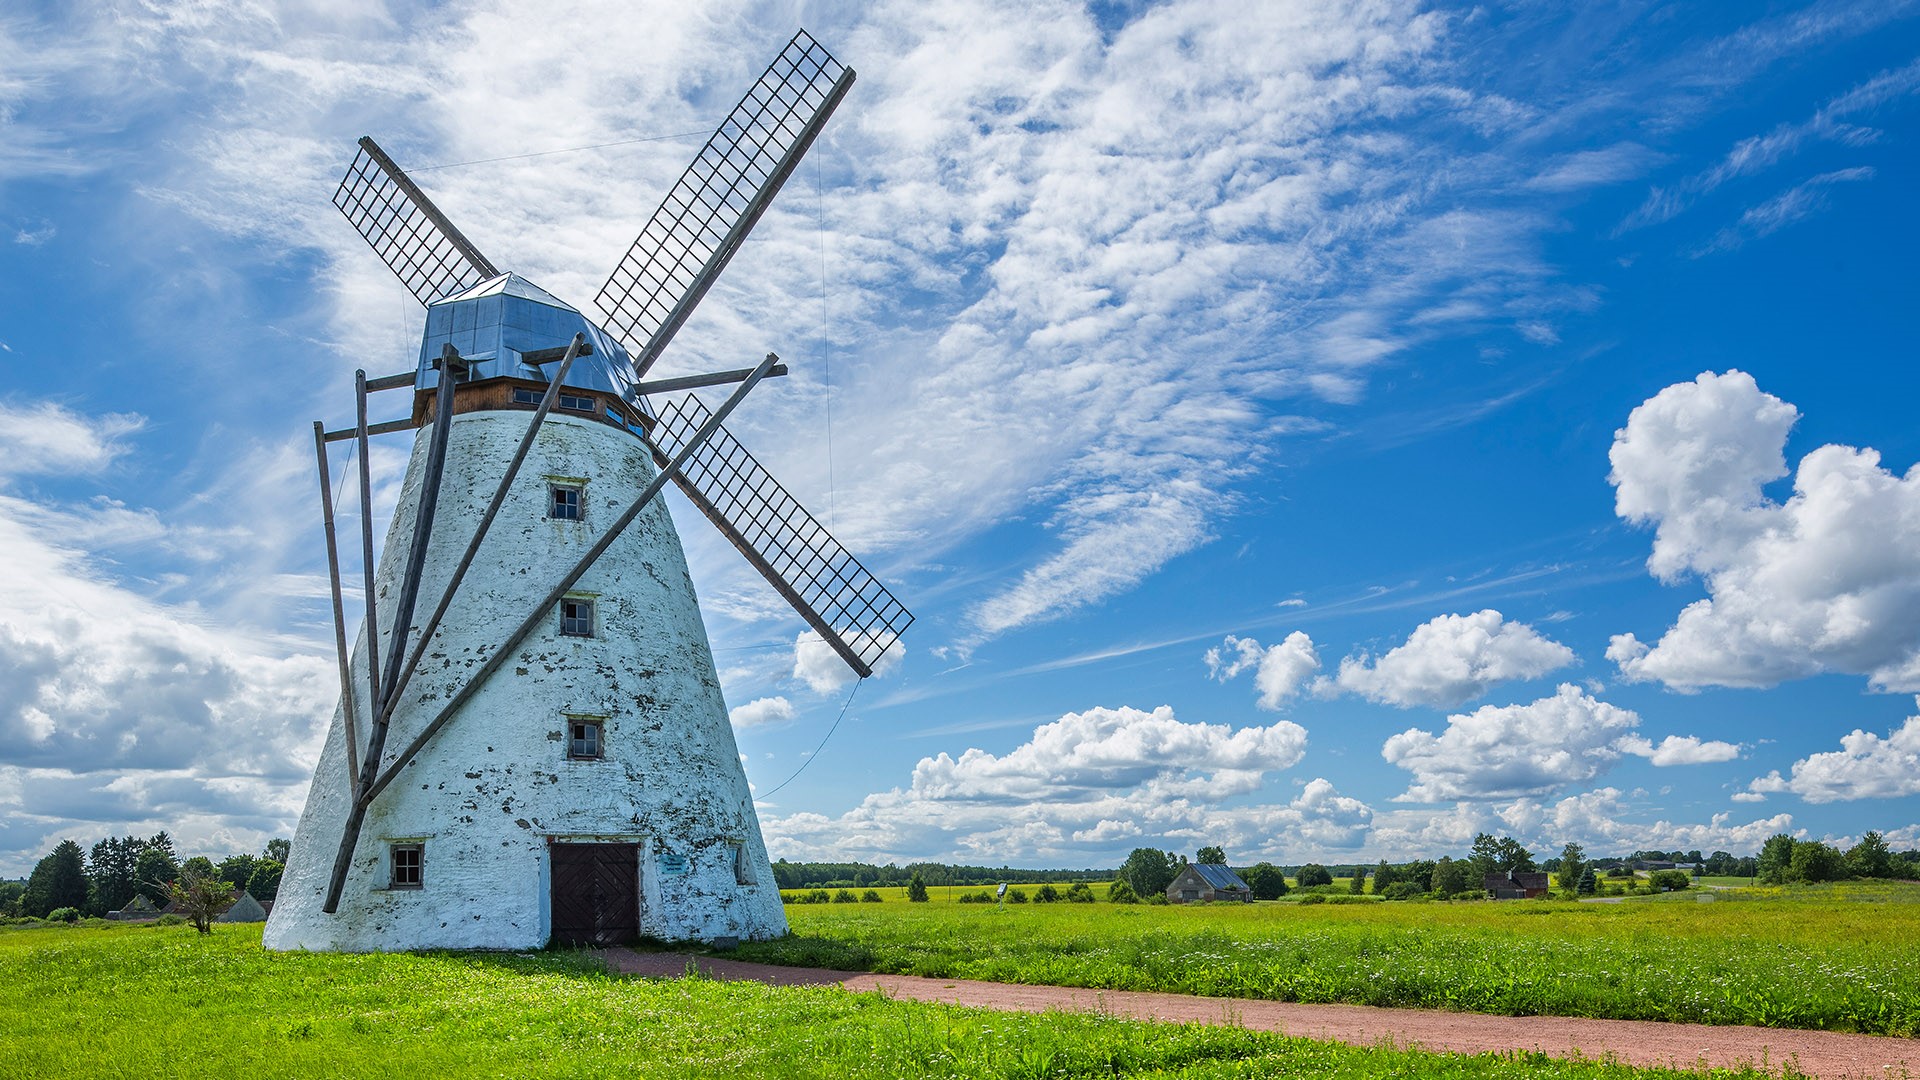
(1324, 430)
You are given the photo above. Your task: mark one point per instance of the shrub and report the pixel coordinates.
(818, 896)
(1314, 898)
(1157, 898)
(1669, 880)
(64, 914)
(1080, 893)
(1016, 896)
(845, 896)
(917, 889)
(870, 897)
(1046, 894)
(1122, 893)
(1402, 890)
(170, 920)
(981, 897)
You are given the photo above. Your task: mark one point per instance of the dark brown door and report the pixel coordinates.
(596, 893)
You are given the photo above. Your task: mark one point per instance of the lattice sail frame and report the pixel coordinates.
(838, 597)
(716, 201)
(402, 226)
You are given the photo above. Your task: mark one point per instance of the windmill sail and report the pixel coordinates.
(838, 597)
(716, 202)
(410, 234)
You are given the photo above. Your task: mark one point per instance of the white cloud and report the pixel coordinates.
(1679, 750)
(46, 438)
(1280, 672)
(1795, 204)
(820, 667)
(1866, 766)
(1597, 819)
(1085, 789)
(1507, 750)
(1451, 660)
(766, 710)
(1829, 580)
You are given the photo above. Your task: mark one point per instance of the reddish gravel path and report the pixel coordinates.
(1824, 1054)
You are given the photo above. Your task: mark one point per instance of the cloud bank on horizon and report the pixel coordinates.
(1122, 343)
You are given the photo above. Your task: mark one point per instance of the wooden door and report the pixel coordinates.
(596, 893)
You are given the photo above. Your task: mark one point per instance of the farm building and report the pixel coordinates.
(1516, 885)
(1207, 881)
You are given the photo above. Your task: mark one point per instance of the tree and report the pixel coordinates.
(278, 850)
(1814, 861)
(200, 896)
(1358, 883)
(1589, 882)
(1776, 859)
(57, 881)
(10, 894)
(1383, 877)
(1314, 874)
(1513, 858)
(1211, 855)
(154, 867)
(1870, 858)
(1669, 880)
(265, 882)
(917, 889)
(1484, 858)
(1265, 881)
(1122, 893)
(199, 864)
(1148, 871)
(236, 869)
(1449, 877)
(1573, 864)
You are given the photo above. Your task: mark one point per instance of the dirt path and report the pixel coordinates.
(1823, 1054)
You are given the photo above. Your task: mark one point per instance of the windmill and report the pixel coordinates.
(546, 755)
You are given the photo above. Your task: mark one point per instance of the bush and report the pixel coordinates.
(1122, 893)
(1669, 880)
(170, 920)
(64, 914)
(870, 897)
(1314, 898)
(1402, 890)
(1157, 898)
(845, 896)
(981, 897)
(1046, 894)
(1079, 893)
(1016, 896)
(917, 889)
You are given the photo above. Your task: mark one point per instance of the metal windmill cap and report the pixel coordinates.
(508, 284)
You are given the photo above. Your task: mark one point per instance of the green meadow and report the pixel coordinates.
(1843, 957)
(164, 1001)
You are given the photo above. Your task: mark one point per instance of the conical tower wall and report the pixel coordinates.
(489, 796)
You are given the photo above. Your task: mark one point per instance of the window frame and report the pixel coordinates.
(742, 868)
(395, 874)
(598, 725)
(592, 617)
(555, 489)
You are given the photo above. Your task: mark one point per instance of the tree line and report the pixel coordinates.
(119, 868)
(856, 875)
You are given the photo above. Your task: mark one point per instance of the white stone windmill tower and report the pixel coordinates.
(565, 768)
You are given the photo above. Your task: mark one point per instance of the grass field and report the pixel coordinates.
(1840, 957)
(165, 1001)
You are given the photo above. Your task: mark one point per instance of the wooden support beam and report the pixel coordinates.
(339, 611)
(385, 428)
(391, 382)
(694, 382)
(358, 812)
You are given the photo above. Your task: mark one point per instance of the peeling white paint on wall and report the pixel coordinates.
(495, 786)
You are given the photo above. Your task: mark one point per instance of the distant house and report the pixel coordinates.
(245, 909)
(1207, 881)
(1517, 885)
(137, 908)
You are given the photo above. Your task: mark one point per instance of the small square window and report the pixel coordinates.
(576, 403)
(525, 396)
(565, 503)
(584, 741)
(576, 618)
(404, 866)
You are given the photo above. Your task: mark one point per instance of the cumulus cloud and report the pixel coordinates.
(1501, 751)
(766, 710)
(820, 667)
(1599, 819)
(1828, 580)
(1280, 672)
(1867, 766)
(44, 437)
(1451, 660)
(1086, 788)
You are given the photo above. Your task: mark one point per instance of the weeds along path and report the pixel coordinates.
(1825, 1055)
